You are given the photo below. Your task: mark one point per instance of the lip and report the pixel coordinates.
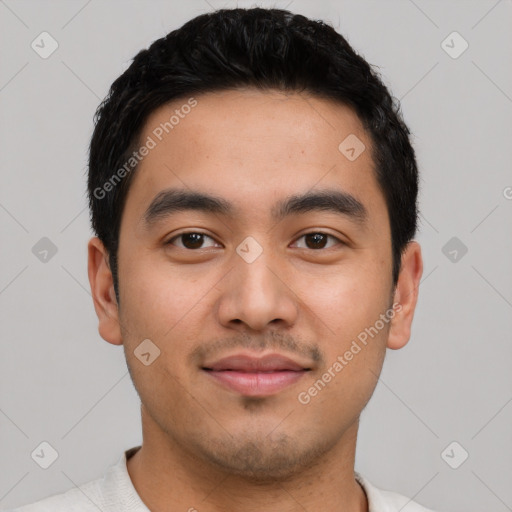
(256, 376)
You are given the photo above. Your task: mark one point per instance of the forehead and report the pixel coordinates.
(253, 147)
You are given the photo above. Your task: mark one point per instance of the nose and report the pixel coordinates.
(257, 294)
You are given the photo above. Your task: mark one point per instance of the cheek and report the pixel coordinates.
(350, 304)
(347, 300)
(154, 296)
(163, 305)
(354, 347)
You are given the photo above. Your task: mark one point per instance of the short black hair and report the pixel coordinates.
(268, 49)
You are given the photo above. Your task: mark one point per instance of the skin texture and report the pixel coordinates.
(205, 446)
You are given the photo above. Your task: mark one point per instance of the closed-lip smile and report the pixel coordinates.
(255, 376)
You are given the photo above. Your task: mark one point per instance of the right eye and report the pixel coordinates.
(190, 240)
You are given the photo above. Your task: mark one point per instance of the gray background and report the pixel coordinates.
(61, 383)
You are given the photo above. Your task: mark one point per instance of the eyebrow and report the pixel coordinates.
(170, 201)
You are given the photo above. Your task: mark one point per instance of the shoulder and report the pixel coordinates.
(401, 503)
(78, 499)
(114, 491)
(380, 500)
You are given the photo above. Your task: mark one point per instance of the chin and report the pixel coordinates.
(266, 460)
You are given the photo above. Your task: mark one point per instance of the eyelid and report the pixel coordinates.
(320, 232)
(194, 231)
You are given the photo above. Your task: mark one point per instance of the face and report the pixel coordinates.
(268, 304)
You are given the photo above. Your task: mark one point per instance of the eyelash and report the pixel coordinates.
(169, 242)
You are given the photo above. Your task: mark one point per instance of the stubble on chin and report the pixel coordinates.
(265, 460)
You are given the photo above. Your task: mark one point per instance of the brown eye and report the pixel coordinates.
(318, 240)
(190, 240)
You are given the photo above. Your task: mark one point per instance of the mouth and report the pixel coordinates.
(256, 376)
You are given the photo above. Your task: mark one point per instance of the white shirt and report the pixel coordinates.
(116, 493)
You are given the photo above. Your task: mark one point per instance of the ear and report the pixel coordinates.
(406, 296)
(103, 293)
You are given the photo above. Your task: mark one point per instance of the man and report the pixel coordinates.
(253, 190)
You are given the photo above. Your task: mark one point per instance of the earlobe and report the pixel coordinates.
(406, 296)
(103, 294)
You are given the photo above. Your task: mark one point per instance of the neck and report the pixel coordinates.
(163, 472)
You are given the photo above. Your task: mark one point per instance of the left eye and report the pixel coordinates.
(318, 240)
